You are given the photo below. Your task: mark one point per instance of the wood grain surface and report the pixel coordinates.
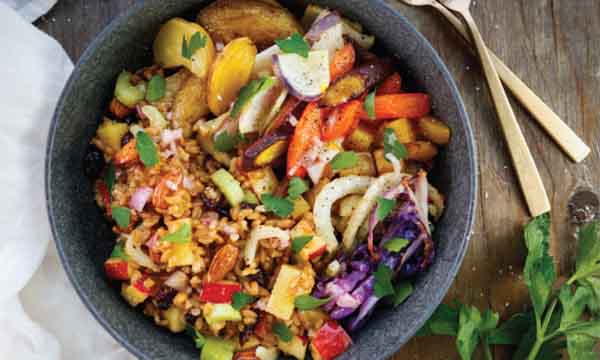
(554, 46)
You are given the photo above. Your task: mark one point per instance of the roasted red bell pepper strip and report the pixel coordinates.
(103, 190)
(331, 340)
(391, 85)
(342, 62)
(393, 106)
(342, 121)
(116, 269)
(307, 131)
(219, 292)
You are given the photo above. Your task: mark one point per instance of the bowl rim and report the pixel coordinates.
(394, 346)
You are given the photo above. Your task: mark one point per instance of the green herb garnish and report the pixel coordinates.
(307, 302)
(110, 177)
(299, 242)
(396, 244)
(118, 251)
(384, 207)
(199, 339)
(281, 207)
(147, 149)
(225, 142)
(402, 292)
(121, 215)
(188, 49)
(392, 146)
(283, 332)
(240, 299)
(183, 235)
(295, 44)
(296, 187)
(344, 160)
(383, 281)
(249, 91)
(370, 105)
(157, 87)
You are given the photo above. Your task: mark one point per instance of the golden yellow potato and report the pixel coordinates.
(190, 104)
(421, 151)
(168, 47)
(259, 20)
(230, 72)
(434, 130)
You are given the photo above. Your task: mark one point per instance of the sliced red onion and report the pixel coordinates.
(422, 196)
(153, 242)
(373, 221)
(305, 78)
(168, 137)
(209, 218)
(178, 281)
(323, 23)
(422, 214)
(140, 197)
(347, 301)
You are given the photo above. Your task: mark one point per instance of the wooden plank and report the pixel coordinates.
(551, 44)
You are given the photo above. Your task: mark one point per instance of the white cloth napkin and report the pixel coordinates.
(41, 317)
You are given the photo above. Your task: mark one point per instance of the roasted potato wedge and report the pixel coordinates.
(259, 20)
(364, 166)
(168, 47)
(404, 130)
(360, 139)
(230, 72)
(421, 151)
(190, 104)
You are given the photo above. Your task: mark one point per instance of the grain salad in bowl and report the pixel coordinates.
(267, 184)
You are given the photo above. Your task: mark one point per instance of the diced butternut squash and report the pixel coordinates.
(364, 166)
(421, 150)
(383, 165)
(263, 181)
(179, 255)
(360, 139)
(111, 132)
(405, 133)
(295, 347)
(290, 282)
(175, 319)
(301, 207)
(434, 130)
(133, 295)
(313, 249)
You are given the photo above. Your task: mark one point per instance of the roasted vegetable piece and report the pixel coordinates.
(219, 292)
(391, 85)
(364, 166)
(175, 319)
(330, 341)
(404, 130)
(169, 42)
(341, 121)
(307, 131)
(222, 263)
(305, 78)
(434, 130)
(342, 62)
(260, 21)
(230, 72)
(267, 149)
(393, 106)
(206, 131)
(164, 189)
(289, 105)
(421, 151)
(190, 104)
(248, 354)
(229, 186)
(128, 154)
(118, 109)
(117, 269)
(382, 164)
(128, 94)
(110, 133)
(356, 82)
(263, 181)
(296, 347)
(360, 139)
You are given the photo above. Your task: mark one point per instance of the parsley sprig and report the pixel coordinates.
(295, 44)
(189, 48)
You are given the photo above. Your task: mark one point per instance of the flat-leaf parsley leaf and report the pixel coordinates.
(121, 215)
(181, 236)
(147, 149)
(392, 146)
(188, 49)
(157, 87)
(279, 206)
(295, 44)
(344, 160)
(299, 242)
(296, 187)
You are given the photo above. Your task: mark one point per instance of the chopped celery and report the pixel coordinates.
(157, 120)
(125, 92)
(229, 186)
(219, 313)
(250, 198)
(217, 349)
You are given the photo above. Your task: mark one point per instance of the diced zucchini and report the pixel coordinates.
(219, 313)
(360, 139)
(250, 198)
(217, 349)
(295, 347)
(301, 207)
(229, 186)
(263, 180)
(111, 132)
(364, 166)
(126, 93)
(175, 319)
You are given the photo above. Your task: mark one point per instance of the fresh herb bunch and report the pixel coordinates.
(565, 318)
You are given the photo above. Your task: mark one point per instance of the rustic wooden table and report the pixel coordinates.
(554, 45)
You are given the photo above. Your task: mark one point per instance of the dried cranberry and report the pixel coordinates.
(246, 333)
(164, 297)
(208, 203)
(223, 209)
(93, 162)
(259, 277)
(129, 119)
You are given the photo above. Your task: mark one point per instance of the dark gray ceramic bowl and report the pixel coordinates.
(84, 239)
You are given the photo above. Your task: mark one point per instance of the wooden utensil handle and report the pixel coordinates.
(562, 134)
(529, 177)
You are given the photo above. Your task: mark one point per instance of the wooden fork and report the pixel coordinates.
(527, 172)
(560, 132)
